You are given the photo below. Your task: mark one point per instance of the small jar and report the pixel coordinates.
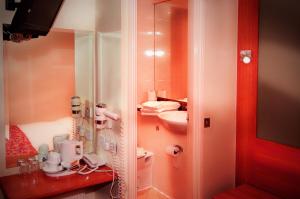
(24, 168)
(33, 164)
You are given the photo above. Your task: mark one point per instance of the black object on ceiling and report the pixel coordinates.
(32, 18)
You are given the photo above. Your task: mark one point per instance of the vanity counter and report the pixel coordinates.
(39, 185)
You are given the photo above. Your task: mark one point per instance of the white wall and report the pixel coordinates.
(77, 15)
(108, 15)
(219, 95)
(109, 84)
(84, 57)
(108, 27)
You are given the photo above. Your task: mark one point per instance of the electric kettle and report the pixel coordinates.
(70, 151)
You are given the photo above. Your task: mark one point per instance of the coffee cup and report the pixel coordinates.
(53, 160)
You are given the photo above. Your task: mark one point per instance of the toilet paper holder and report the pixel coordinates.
(179, 149)
(174, 150)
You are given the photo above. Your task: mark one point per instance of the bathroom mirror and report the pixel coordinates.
(40, 77)
(278, 112)
(170, 49)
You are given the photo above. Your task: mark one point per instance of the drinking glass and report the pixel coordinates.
(34, 166)
(24, 168)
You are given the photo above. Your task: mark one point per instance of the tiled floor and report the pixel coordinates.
(150, 194)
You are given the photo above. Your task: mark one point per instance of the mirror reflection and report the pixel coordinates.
(170, 49)
(40, 78)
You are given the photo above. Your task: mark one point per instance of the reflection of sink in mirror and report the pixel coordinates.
(174, 120)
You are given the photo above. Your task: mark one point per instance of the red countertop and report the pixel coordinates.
(39, 185)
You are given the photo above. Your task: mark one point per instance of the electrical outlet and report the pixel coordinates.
(206, 122)
(87, 112)
(106, 146)
(101, 140)
(89, 135)
(113, 147)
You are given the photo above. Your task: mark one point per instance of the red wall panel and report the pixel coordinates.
(261, 163)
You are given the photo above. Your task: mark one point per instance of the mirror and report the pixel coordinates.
(40, 77)
(170, 49)
(278, 113)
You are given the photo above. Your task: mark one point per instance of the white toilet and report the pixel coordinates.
(144, 169)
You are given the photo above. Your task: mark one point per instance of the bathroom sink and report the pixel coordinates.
(174, 120)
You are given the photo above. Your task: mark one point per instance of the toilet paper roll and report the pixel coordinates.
(173, 151)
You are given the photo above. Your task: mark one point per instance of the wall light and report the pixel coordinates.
(157, 53)
(246, 56)
(151, 33)
(149, 53)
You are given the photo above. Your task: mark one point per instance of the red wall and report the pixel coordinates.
(264, 164)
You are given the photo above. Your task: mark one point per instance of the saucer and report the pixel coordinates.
(51, 170)
(66, 165)
(60, 174)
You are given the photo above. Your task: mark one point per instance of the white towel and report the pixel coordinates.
(159, 106)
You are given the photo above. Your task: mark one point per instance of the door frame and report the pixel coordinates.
(195, 91)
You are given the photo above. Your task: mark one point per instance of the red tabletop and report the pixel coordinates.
(39, 185)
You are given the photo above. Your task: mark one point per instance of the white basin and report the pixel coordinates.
(174, 120)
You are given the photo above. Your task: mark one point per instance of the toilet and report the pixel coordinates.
(144, 169)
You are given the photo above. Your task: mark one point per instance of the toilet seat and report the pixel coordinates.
(144, 168)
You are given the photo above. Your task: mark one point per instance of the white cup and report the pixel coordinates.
(52, 167)
(71, 151)
(53, 158)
